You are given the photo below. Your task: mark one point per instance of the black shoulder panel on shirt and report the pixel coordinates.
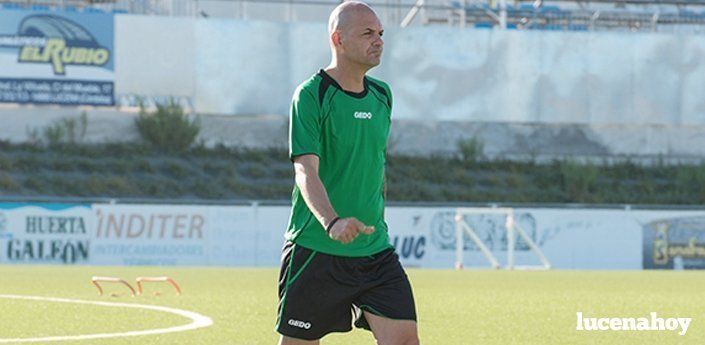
(381, 90)
(322, 88)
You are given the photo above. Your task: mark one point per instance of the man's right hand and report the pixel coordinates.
(345, 230)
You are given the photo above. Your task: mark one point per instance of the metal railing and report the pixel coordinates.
(281, 202)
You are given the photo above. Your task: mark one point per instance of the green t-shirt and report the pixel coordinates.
(348, 132)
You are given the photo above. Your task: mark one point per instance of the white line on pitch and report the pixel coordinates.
(197, 320)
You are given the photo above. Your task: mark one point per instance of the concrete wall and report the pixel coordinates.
(525, 94)
(441, 73)
(155, 56)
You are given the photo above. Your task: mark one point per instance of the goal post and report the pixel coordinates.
(465, 229)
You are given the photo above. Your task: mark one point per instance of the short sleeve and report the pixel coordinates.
(304, 125)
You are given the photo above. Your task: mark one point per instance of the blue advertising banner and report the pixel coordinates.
(45, 233)
(675, 243)
(54, 57)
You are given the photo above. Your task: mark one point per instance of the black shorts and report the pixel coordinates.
(320, 293)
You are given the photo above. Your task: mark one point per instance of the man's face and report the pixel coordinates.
(361, 39)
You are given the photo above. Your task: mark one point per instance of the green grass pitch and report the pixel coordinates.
(454, 307)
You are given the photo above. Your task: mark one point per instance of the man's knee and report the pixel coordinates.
(284, 340)
(413, 340)
(410, 338)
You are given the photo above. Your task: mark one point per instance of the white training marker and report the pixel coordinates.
(197, 320)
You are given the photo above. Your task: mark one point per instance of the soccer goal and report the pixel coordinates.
(465, 230)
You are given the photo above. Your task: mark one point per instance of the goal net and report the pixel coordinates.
(499, 232)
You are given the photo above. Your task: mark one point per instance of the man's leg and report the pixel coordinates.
(315, 294)
(386, 306)
(392, 332)
(284, 340)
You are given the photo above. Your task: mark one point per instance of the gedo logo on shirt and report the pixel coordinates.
(362, 115)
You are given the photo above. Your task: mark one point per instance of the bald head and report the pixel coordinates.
(355, 34)
(341, 16)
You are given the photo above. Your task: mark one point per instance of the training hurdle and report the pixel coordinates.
(141, 280)
(96, 280)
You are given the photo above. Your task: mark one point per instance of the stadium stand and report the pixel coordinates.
(653, 15)
(683, 16)
(88, 6)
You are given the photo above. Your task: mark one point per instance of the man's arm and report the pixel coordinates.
(312, 189)
(314, 193)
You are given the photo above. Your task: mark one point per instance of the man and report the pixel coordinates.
(337, 259)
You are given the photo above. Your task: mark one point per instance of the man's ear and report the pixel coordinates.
(336, 38)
